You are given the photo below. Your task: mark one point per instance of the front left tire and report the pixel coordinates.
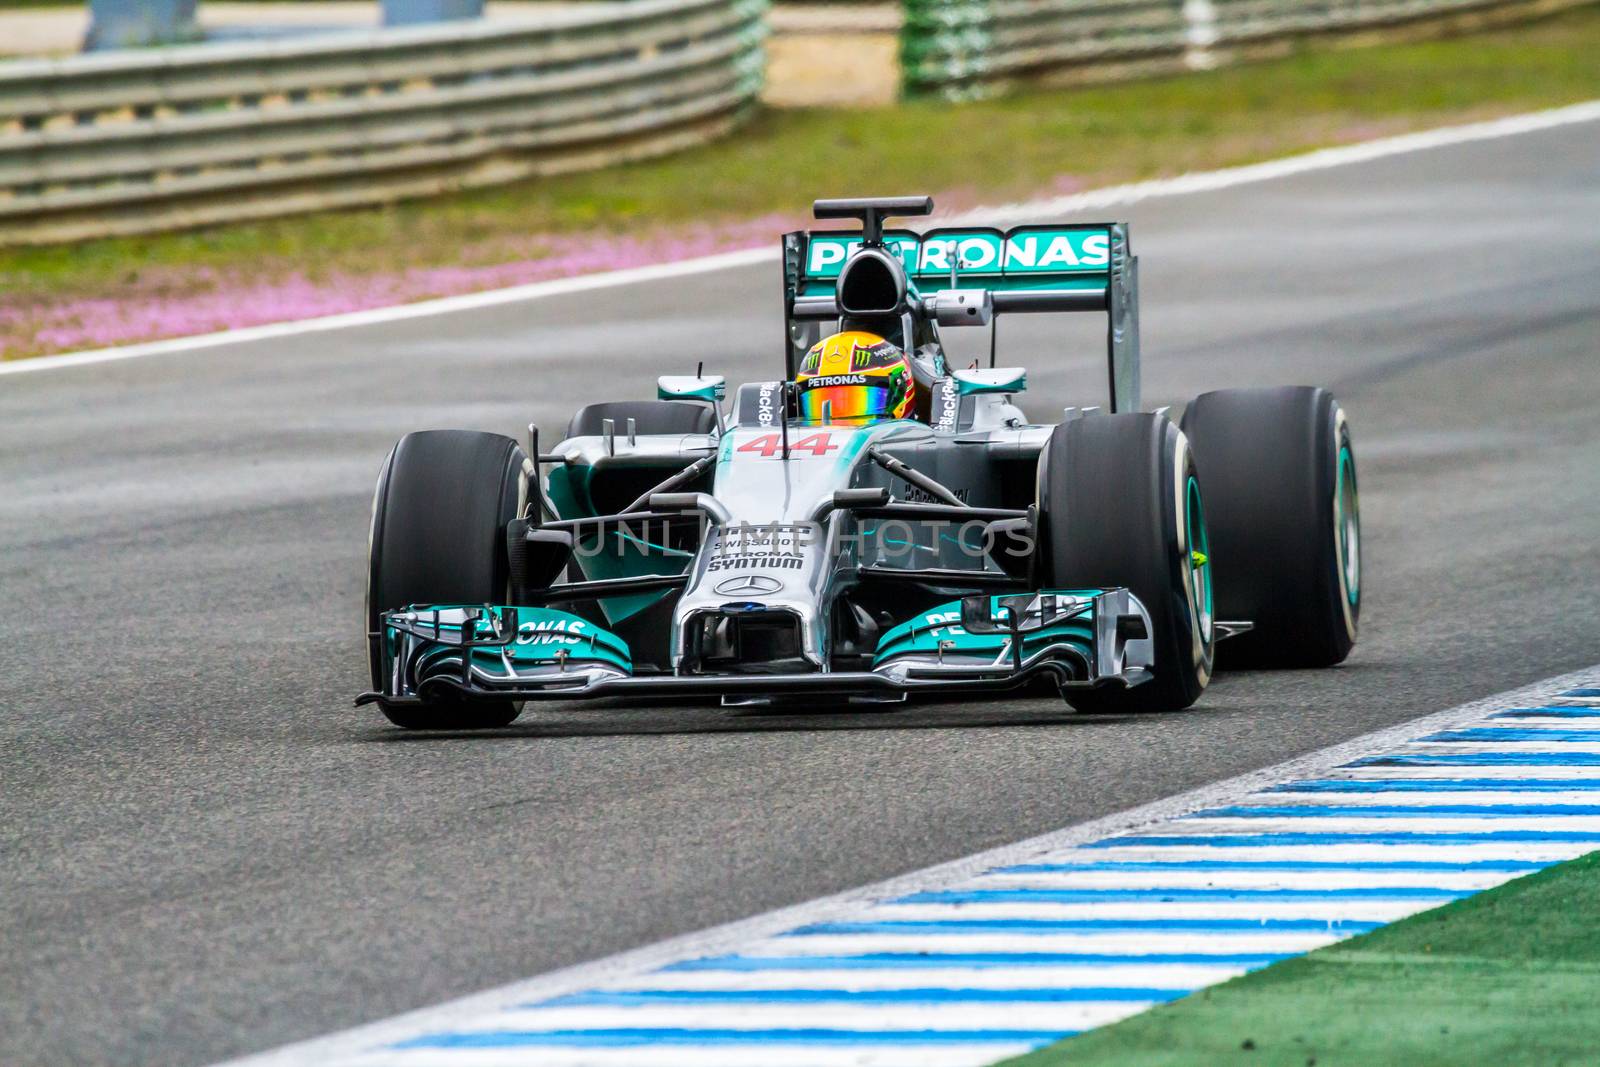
(1119, 505)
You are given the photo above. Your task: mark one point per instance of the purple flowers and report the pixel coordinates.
(173, 302)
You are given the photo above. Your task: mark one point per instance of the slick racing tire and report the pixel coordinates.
(438, 537)
(1279, 477)
(1119, 505)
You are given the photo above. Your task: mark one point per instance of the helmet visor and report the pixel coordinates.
(844, 403)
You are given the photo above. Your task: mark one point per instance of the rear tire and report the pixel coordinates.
(438, 537)
(1119, 505)
(1280, 485)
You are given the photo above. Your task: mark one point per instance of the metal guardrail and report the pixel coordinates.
(964, 47)
(1238, 21)
(961, 49)
(144, 140)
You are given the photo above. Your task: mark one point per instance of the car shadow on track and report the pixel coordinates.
(693, 717)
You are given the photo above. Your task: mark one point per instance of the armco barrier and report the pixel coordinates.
(966, 48)
(146, 140)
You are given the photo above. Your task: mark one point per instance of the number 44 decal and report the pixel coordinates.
(768, 445)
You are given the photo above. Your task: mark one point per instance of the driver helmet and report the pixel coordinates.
(854, 378)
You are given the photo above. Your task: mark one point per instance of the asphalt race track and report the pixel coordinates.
(205, 851)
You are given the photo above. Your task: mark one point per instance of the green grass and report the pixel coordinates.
(1510, 976)
(1032, 142)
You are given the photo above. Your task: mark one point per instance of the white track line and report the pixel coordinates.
(775, 938)
(1202, 877)
(1182, 977)
(941, 1055)
(1094, 200)
(1135, 942)
(1478, 796)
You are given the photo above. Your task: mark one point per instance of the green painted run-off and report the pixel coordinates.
(1508, 976)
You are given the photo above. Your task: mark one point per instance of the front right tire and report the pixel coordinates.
(438, 537)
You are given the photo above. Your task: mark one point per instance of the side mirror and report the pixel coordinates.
(709, 388)
(993, 380)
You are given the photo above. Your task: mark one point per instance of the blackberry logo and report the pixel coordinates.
(949, 406)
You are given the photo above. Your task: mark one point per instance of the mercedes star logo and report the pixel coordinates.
(748, 585)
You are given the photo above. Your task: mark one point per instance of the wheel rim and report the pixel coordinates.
(1347, 523)
(1199, 563)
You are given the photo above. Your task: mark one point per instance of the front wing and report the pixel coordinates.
(1075, 638)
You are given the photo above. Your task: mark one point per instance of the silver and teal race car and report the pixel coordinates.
(691, 546)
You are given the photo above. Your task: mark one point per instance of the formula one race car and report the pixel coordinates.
(876, 522)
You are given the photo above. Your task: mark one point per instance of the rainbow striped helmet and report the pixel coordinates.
(855, 377)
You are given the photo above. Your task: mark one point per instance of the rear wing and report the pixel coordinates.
(1061, 268)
